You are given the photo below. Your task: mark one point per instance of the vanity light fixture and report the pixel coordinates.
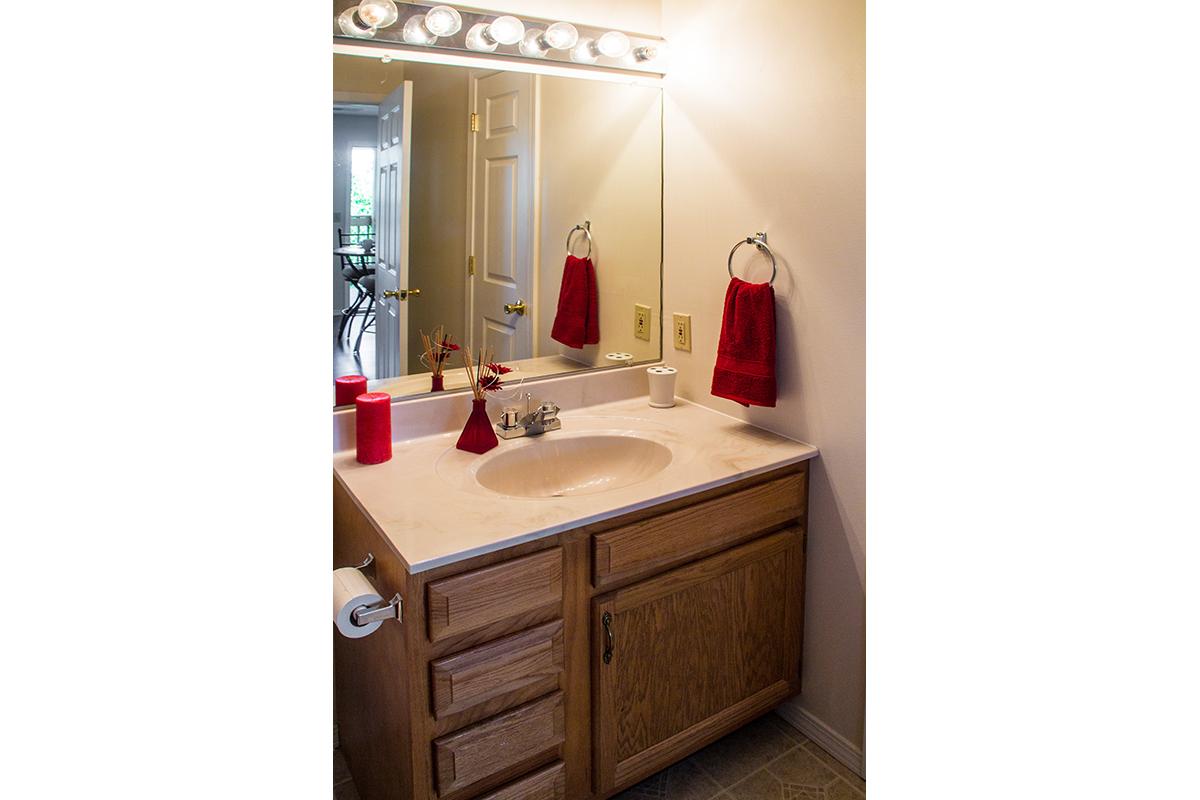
(443, 21)
(486, 37)
(532, 46)
(559, 36)
(378, 13)
(353, 25)
(613, 44)
(584, 51)
(445, 34)
(416, 31)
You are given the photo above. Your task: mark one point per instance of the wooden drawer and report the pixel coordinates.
(678, 536)
(523, 662)
(473, 600)
(548, 784)
(498, 744)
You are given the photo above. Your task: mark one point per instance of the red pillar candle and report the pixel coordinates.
(348, 387)
(373, 427)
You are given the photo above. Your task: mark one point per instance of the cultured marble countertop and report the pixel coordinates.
(427, 502)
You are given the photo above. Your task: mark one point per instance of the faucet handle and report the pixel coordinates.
(510, 417)
(549, 410)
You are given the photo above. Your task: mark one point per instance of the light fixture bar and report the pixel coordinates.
(479, 36)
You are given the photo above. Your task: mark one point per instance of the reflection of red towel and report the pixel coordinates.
(745, 371)
(577, 322)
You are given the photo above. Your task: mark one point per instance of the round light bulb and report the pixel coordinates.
(613, 44)
(506, 30)
(477, 39)
(561, 36)
(532, 45)
(651, 52)
(415, 31)
(351, 25)
(378, 13)
(443, 21)
(583, 53)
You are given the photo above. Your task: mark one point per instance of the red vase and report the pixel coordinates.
(437, 383)
(478, 435)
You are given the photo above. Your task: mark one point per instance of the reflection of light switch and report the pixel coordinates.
(681, 327)
(641, 321)
(337, 217)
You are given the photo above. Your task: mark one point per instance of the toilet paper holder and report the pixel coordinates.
(364, 615)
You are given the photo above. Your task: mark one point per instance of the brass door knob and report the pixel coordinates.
(403, 294)
(515, 308)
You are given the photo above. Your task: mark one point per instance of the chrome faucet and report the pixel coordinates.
(533, 423)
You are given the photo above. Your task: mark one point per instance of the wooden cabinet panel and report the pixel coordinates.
(548, 784)
(470, 601)
(695, 652)
(525, 660)
(680, 535)
(497, 744)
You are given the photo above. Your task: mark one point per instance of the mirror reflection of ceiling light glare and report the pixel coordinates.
(443, 21)
(416, 32)
(561, 36)
(378, 13)
(352, 25)
(613, 44)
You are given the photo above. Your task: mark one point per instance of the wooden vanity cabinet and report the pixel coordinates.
(496, 683)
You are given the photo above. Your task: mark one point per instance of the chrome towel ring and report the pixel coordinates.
(759, 240)
(586, 227)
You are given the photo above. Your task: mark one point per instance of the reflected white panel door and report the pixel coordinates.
(502, 203)
(391, 232)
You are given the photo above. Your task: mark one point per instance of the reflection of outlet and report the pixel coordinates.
(641, 321)
(682, 329)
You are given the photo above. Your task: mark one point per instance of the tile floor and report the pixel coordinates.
(765, 760)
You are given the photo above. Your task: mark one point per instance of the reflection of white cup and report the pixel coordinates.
(662, 386)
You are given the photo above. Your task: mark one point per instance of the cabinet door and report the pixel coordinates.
(693, 654)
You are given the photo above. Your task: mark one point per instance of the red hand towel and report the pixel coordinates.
(578, 321)
(745, 370)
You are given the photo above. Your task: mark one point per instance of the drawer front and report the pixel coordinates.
(473, 600)
(497, 744)
(677, 536)
(549, 784)
(525, 660)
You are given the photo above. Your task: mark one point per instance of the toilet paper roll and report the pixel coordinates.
(662, 386)
(351, 589)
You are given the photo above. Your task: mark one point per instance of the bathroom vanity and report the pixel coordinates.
(572, 640)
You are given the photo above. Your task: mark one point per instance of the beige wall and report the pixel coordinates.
(765, 131)
(437, 215)
(364, 80)
(601, 159)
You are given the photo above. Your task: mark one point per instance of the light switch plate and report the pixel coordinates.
(681, 329)
(641, 321)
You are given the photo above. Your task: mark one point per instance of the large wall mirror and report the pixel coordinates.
(456, 194)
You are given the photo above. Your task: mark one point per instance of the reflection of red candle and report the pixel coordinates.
(348, 388)
(373, 427)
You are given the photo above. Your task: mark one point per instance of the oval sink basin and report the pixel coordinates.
(562, 466)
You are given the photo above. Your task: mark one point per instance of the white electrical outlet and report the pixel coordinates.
(641, 321)
(681, 329)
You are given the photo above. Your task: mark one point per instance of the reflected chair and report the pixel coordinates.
(354, 270)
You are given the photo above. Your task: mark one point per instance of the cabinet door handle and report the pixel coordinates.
(606, 621)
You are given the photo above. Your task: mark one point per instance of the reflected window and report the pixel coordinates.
(362, 191)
